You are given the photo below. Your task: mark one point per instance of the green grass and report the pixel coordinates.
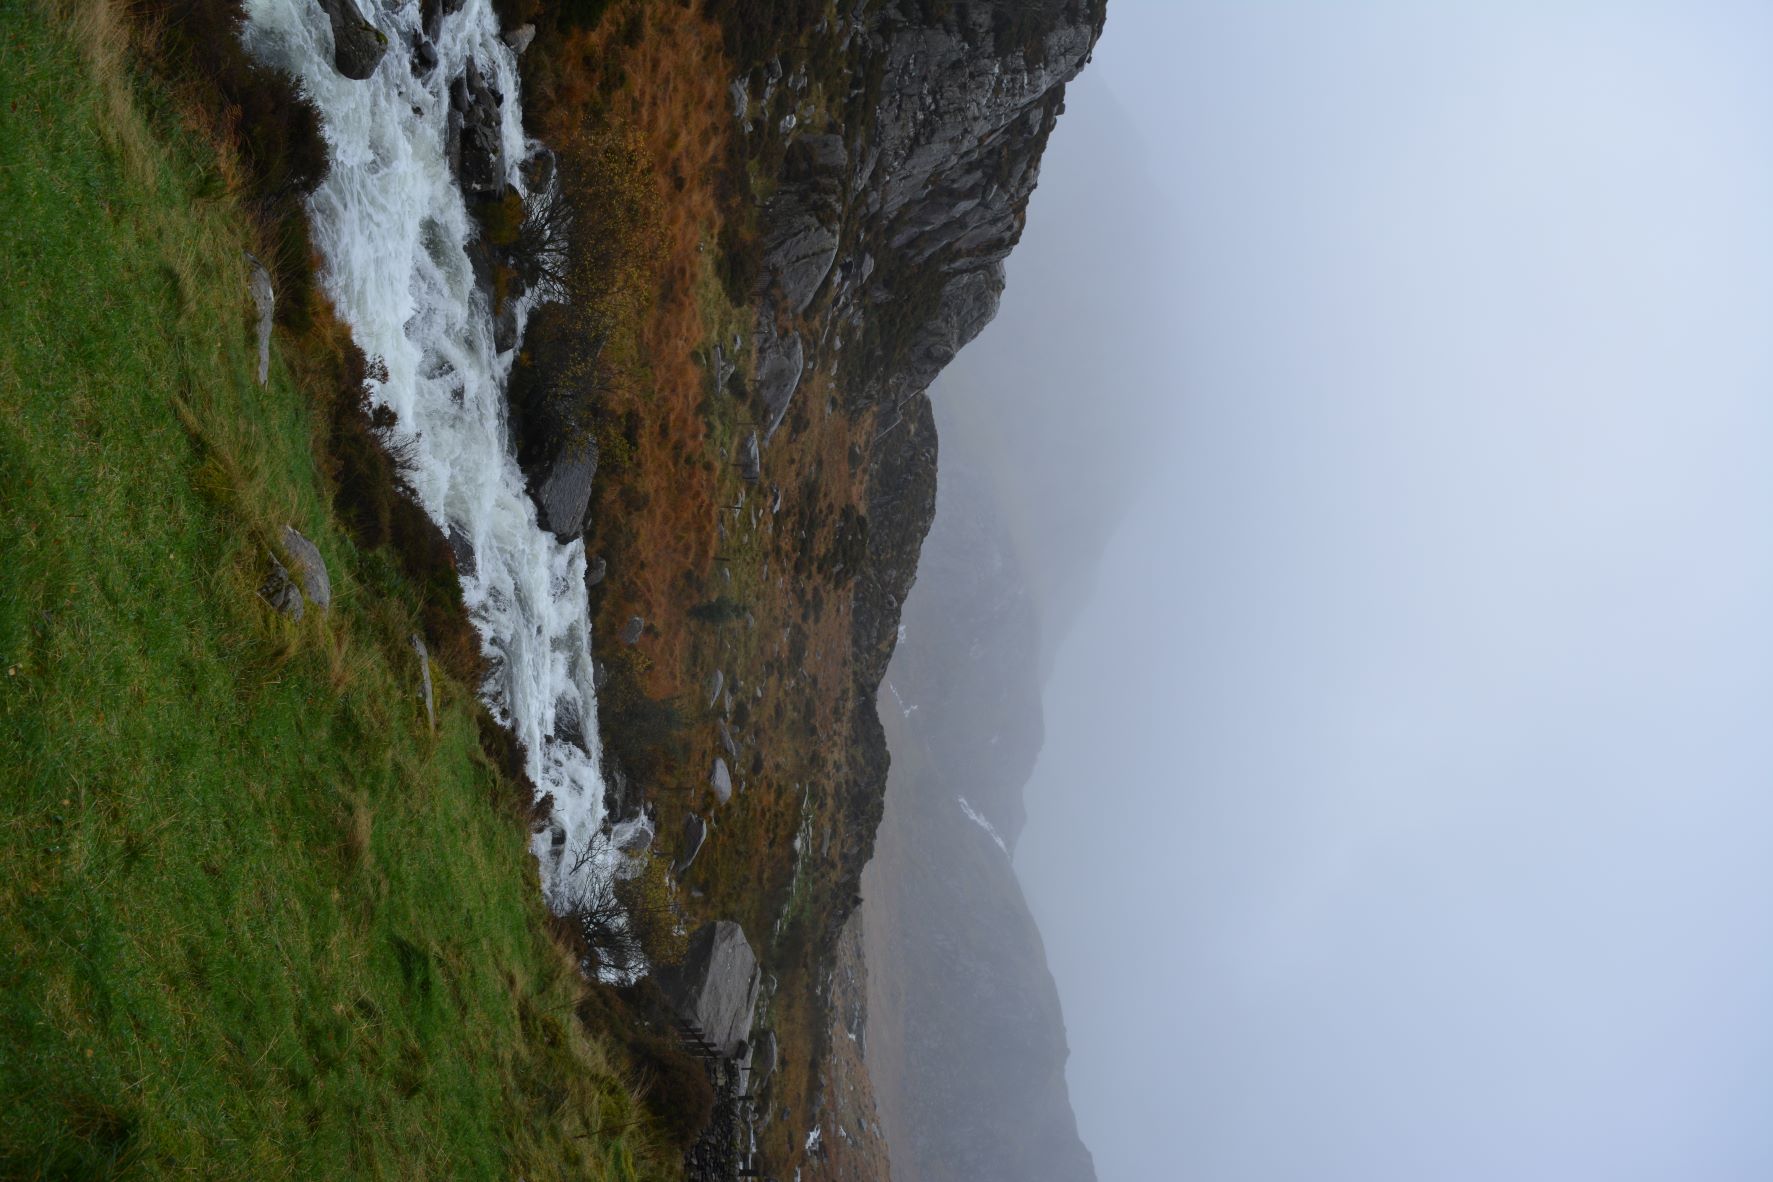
(255, 919)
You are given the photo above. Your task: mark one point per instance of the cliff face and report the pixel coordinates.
(883, 253)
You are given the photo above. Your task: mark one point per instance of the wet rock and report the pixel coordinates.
(432, 12)
(519, 38)
(462, 548)
(780, 362)
(633, 836)
(357, 45)
(424, 57)
(565, 489)
(264, 301)
(750, 460)
(476, 148)
(595, 570)
(631, 631)
(716, 985)
(728, 743)
(569, 723)
(281, 592)
(599, 674)
(714, 685)
(310, 568)
(721, 781)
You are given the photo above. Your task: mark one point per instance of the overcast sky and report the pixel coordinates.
(1406, 811)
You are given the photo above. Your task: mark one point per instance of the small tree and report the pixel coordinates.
(620, 908)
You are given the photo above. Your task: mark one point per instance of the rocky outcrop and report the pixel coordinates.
(357, 45)
(716, 985)
(912, 210)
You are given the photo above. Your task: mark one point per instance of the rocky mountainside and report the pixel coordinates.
(884, 249)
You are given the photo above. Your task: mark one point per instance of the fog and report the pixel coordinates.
(1402, 550)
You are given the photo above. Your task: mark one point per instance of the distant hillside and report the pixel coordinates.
(966, 1039)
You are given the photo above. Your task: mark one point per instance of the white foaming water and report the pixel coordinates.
(391, 227)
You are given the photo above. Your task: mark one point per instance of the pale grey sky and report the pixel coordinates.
(1406, 810)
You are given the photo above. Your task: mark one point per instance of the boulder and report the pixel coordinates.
(310, 568)
(519, 38)
(357, 45)
(695, 832)
(714, 686)
(632, 630)
(780, 362)
(716, 985)
(721, 780)
(595, 570)
(565, 489)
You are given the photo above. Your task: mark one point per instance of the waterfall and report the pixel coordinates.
(392, 230)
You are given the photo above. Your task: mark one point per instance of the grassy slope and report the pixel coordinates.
(254, 918)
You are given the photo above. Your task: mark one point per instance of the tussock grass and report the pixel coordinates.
(257, 920)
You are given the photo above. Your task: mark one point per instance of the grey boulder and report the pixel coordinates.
(565, 491)
(310, 568)
(716, 985)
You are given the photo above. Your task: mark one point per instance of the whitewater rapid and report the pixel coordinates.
(391, 227)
